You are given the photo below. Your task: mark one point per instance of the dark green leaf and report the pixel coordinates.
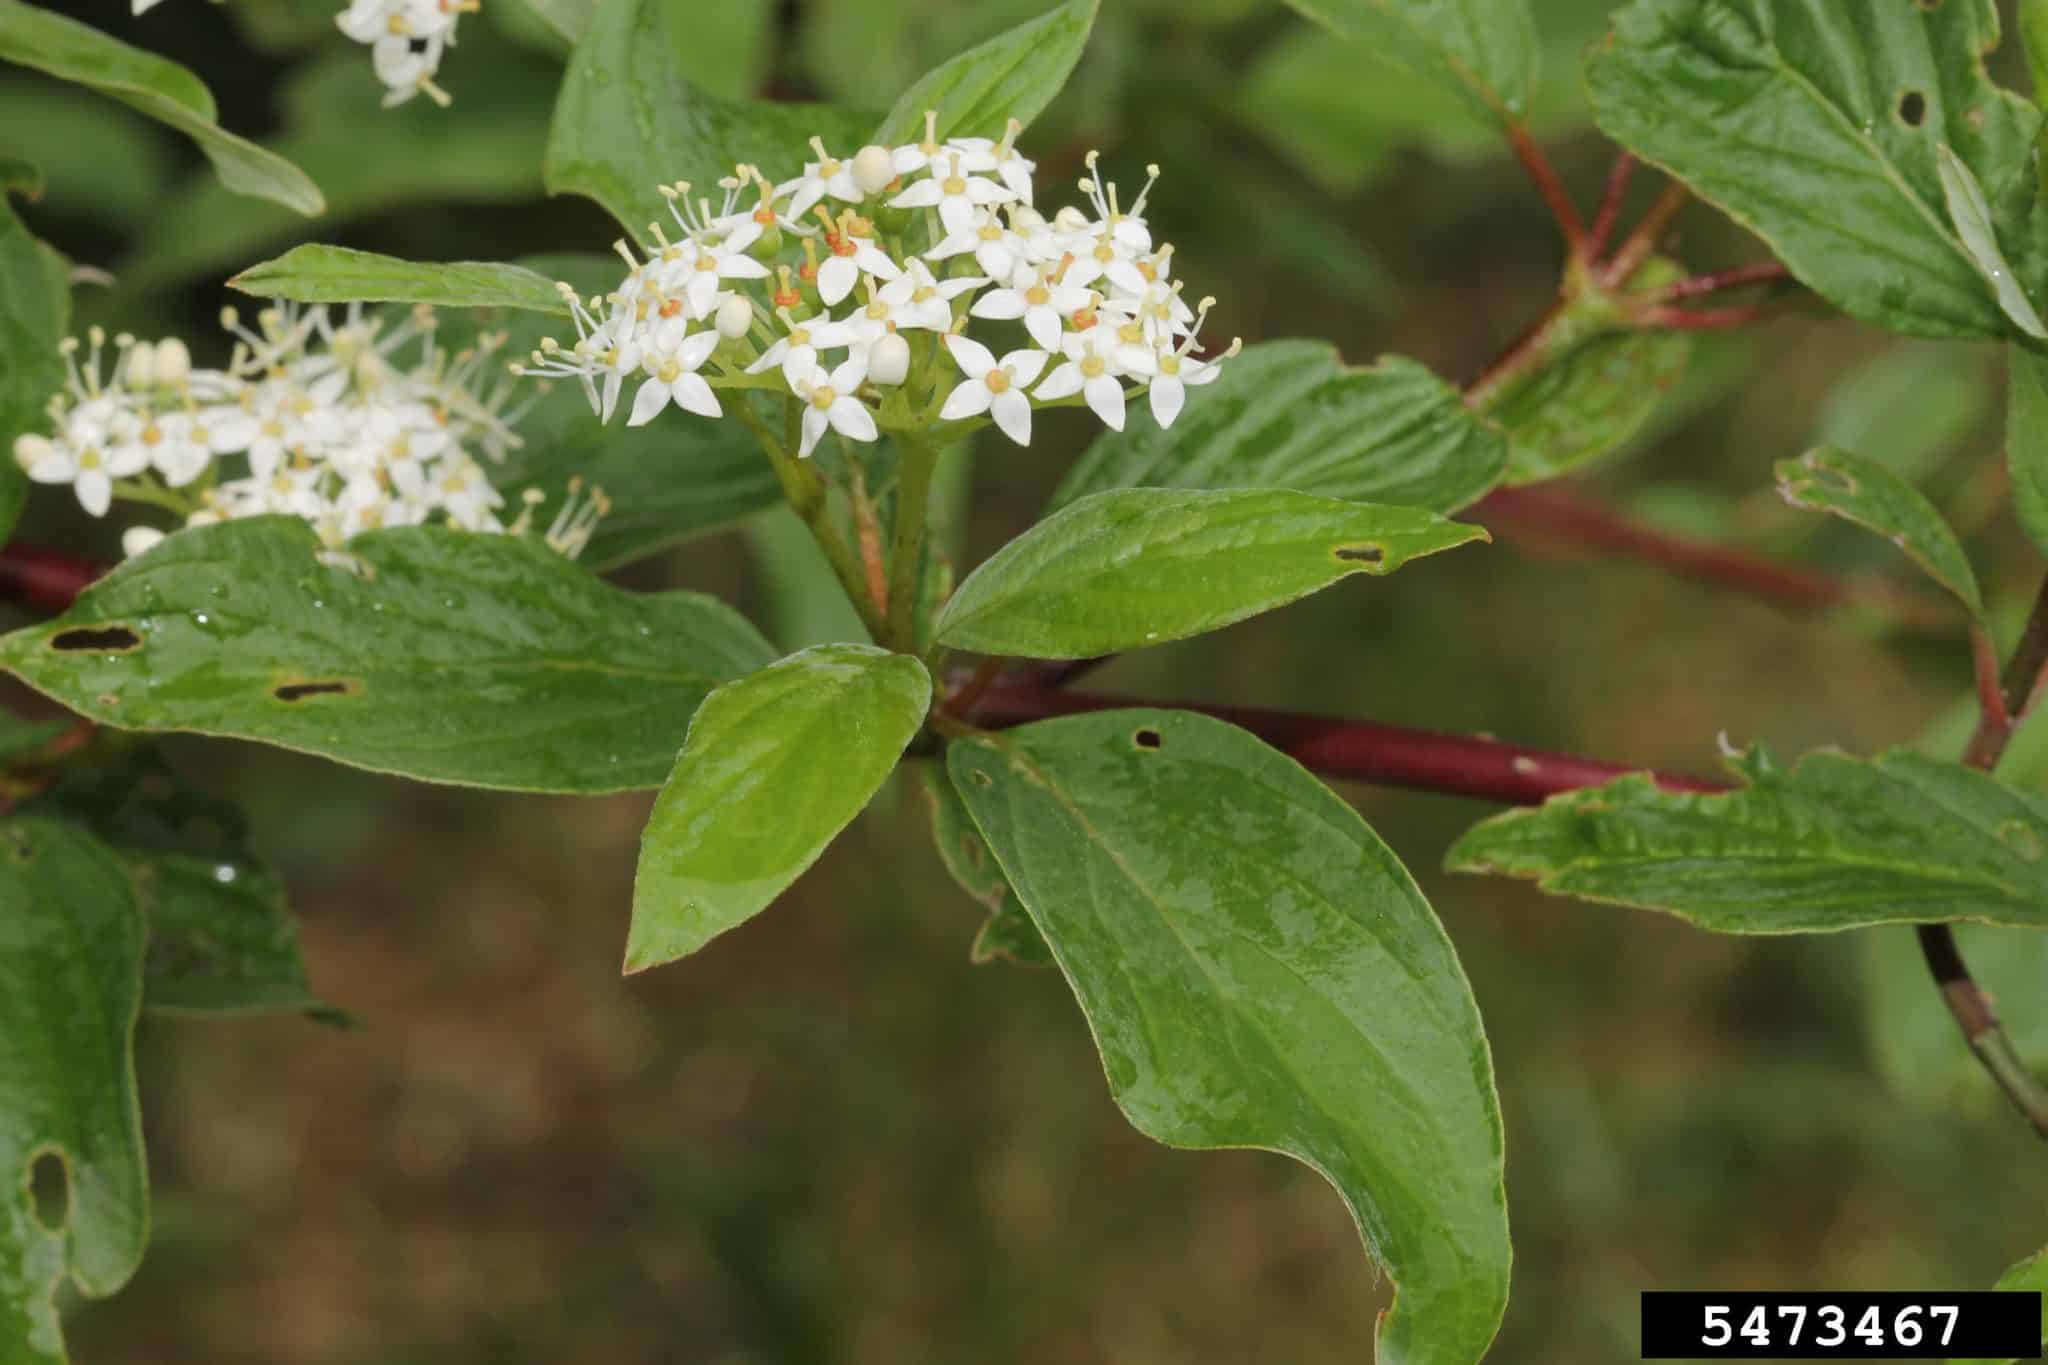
(2026, 440)
(1007, 932)
(102, 163)
(1290, 414)
(165, 91)
(630, 119)
(1012, 75)
(568, 18)
(1259, 970)
(436, 654)
(1142, 566)
(35, 313)
(1873, 497)
(1816, 123)
(71, 943)
(1835, 843)
(1593, 399)
(776, 764)
(1484, 50)
(337, 274)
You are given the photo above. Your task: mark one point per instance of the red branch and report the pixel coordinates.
(46, 581)
(1610, 207)
(1550, 187)
(1426, 760)
(1735, 277)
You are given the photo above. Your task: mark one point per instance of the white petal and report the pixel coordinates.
(973, 358)
(876, 262)
(981, 191)
(815, 423)
(922, 195)
(53, 466)
(648, 403)
(968, 400)
(1013, 414)
(956, 213)
(1106, 397)
(1063, 382)
(1025, 366)
(95, 492)
(1167, 395)
(696, 349)
(1044, 326)
(851, 372)
(836, 278)
(692, 394)
(741, 267)
(1001, 304)
(770, 357)
(612, 384)
(851, 419)
(996, 258)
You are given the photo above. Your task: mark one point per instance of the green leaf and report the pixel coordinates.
(1259, 970)
(1816, 123)
(2026, 440)
(1596, 397)
(1006, 932)
(1290, 414)
(568, 18)
(2029, 1275)
(338, 274)
(1910, 407)
(1142, 566)
(71, 943)
(1483, 50)
(35, 313)
(776, 764)
(1970, 212)
(1865, 492)
(103, 164)
(630, 119)
(165, 91)
(1012, 75)
(1835, 843)
(432, 653)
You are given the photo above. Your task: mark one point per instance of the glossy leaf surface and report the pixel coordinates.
(71, 943)
(1013, 75)
(337, 274)
(165, 91)
(1833, 843)
(1291, 414)
(776, 764)
(442, 655)
(1259, 970)
(1876, 499)
(1141, 566)
(1816, 124)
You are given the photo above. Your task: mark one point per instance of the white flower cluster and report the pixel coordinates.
(311, 418)
(406, 39)
(852, 285)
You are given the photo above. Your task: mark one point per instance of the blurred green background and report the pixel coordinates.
(827, 1137)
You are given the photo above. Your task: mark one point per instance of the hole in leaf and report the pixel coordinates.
(1148, 739)
(1913, 108)
(982, 779)
(95, 640)
(301, 690)
(1363, 554)
(49, 1191)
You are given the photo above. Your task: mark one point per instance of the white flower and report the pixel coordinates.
(916, 156)
(465, 494)
(1039, 297)
(993, 387)
(797, 351)
(1000, 157)
(1092, 371)
(1126, 227)
(851, 254)
(829, 400)
(89, 469)
(997, 249)
(672, 377)
(953, 191)
(826, 175)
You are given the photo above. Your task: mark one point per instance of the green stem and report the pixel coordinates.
(136, 490)
(913, 498)
(806, 496)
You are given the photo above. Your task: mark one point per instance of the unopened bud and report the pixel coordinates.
(137, 539)
(173, 361)
(735, 316)
(29, 447)
(888, 360)
(141, 365)
(873, 169)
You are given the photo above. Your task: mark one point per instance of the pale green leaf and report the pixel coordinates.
(1865, 492)
(2026, 440)
(1484, 50)
(71, 944)
(1816, 124)
(2030, 1275)
(630, 118)
(339, 274)
(1910, 407)
(1971, 214)
(1834, 843)
(1290, 414)
(165, 91)
(776, 764)
(1259, 970)
(1142, 566)
(1012, 75)
(433, 653)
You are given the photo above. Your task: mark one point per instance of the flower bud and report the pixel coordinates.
(735, 316)
(30, 447)
(141, 371)
(173, 361)
(136, 539)
(888, 360)
(873, 169)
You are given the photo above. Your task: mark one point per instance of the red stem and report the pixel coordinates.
(1587, 525)
(46, 581)
(1736, 277)
(1426, 760)
(1701, 319)
(1550, 187)
(1610, 206)
(1643, 240)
